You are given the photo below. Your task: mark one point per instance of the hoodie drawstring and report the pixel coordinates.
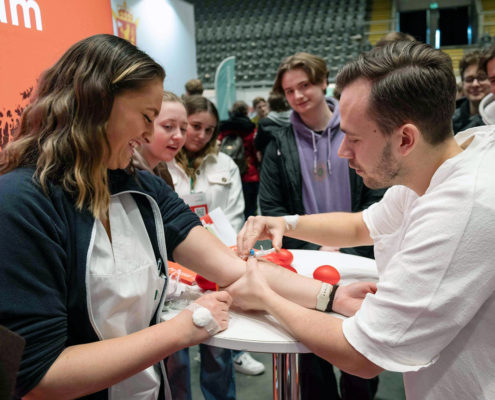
(329, 165)
(315, 150)
(329, 152)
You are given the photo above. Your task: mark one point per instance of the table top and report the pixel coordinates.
(260, 332)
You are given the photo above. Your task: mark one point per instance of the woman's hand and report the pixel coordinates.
(348, 298)
(260, 228)
(250, 291)
(218, 303)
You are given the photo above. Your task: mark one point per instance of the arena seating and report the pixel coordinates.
(260, 34)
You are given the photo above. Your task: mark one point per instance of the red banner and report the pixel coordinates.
(33, 35)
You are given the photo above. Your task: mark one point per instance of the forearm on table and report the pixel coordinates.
(332, 229)
(203, 253)
(322, 334)
(88, 368)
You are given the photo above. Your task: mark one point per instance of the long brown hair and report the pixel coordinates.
(196, 105)
(63, 133)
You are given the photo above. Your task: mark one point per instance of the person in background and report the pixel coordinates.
(200, 168)
(260, 107)
(303, 174)
(239, 124)
(194, 87)
(170, 135)
(277, 117)
(393, 37)
(487, 105)
(476, 86)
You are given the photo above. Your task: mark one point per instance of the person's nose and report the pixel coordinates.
(298, 95)
(149, 136)
(344, 149)
(177, 134)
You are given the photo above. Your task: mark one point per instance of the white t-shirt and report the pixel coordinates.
(433, 316)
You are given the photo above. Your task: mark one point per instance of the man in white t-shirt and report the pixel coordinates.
(433, 314)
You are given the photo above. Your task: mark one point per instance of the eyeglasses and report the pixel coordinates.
(479, 78)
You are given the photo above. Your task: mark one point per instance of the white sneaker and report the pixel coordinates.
(245, 364)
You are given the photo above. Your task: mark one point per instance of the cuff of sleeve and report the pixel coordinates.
(378, 353)
(367, 220)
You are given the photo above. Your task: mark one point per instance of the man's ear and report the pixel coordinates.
(408, 136)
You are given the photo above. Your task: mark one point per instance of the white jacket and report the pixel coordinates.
(218, 177)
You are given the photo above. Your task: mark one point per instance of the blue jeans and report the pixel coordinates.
(217, 376)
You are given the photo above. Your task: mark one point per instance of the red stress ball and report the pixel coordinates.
(328, 274)
(284, 258)
(205, 284)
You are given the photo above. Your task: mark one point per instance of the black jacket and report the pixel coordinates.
(462, 118)
(44, 242)
(265, 128)
(281, 188)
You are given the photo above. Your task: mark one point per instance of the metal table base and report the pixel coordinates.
(286, 377)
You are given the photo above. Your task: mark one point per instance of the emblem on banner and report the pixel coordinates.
(126, 25)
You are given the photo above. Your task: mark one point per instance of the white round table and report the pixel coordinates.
(260, 332)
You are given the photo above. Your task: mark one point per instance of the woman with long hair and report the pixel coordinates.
(200, 168)
(84, 237)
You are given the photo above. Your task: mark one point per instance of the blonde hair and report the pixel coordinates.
(196, 105)
(63, 133)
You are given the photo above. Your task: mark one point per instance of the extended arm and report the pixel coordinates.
(331, 229)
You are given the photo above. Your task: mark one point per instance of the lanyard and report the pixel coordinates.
(192, 186)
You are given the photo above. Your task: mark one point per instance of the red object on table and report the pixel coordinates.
(205, 284)
(284, 259)
(327, 274)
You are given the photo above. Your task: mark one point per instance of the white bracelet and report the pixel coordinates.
(323, 297)
(202, 318)
(291, 221)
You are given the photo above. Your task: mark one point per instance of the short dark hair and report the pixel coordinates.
(240, 108)
(194, 87)
(278, 103)
(258, 100)
(472, 58)
(486, 56)
(393, 37)
(411, 82)
(314, 66)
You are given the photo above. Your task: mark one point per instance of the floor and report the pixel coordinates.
(260, 387)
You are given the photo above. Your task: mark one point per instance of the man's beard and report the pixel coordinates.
(386, 173)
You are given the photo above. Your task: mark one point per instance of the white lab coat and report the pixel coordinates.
(218, 177)
(125, 287)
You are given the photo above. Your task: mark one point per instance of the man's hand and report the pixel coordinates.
(251, 290)
(348, 299)
(260, 228)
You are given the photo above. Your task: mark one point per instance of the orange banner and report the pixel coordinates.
(33, 35)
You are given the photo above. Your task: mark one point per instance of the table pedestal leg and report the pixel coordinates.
(286, 377)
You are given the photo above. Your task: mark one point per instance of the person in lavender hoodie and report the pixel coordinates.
(302, 174)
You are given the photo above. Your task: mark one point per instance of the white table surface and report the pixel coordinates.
(260, 332)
